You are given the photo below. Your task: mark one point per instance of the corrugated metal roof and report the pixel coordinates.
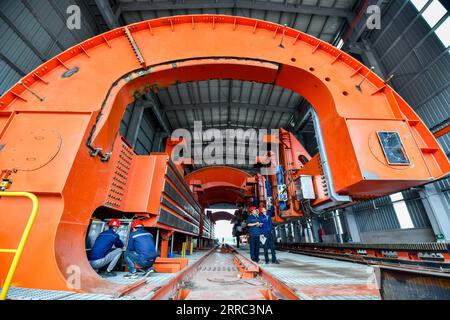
(224, 103)
(32, 32)
(228, 103)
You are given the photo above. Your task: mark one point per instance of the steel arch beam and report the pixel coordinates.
(219, 184)
(55, 122)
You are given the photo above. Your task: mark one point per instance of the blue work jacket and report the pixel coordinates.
(142, 243)
(104, 244)
(267, 226)
(254, 231)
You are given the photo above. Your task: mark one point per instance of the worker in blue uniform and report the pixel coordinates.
(267, 231)
(141, 250)
(254, 232)
(102, 253)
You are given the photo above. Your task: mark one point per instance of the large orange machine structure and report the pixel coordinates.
(59, 135)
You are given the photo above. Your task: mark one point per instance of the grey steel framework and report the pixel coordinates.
(406, 46)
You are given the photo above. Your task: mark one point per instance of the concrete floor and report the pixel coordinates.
(218, 279)
(157, 278)
(315, 278)
(311, 278)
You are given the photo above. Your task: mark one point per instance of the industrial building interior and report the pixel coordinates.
(350, 98)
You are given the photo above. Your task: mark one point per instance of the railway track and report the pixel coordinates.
(433, 257)
(224, 274)
(416, 271)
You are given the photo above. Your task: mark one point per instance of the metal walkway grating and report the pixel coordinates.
(39, 294)
(154, 280)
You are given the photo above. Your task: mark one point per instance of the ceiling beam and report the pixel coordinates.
(221, 126)
(303, 121)
(156, 109)
(262, 107)
(241, 4)
(361, 25)
(107, 13)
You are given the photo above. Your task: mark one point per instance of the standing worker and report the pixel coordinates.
(254, 233)
(102, 252)
(141, 250)
(266, 230)
(237, 227)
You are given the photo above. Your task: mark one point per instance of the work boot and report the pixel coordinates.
(149, 272)
(130, 275)
(109, 273)
(276, 262)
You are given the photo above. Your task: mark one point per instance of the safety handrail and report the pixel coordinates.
(23, 240)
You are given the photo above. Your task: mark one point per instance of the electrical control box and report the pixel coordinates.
(98, 226)
(124, 230)
(305, 188)
(95, 229)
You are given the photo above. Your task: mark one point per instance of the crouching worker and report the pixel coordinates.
(102, 253)
(141, 250)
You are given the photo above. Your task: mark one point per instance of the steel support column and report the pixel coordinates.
(297, 234)
(352, 227)
(137, 114)
(290, 232)
(156, 109)
(107, 13)
(369, 56)
(308, 232)
(313, 229)
(437, 211)
(337, 226)
(283, 235)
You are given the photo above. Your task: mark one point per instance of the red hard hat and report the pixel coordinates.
(251, 208)
(114, 223)
(136, 223)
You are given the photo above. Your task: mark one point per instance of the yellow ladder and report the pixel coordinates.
(23, 240)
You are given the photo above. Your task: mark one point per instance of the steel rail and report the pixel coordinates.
(413, 265)
(169, 290)
(175, 289)
(278, 285)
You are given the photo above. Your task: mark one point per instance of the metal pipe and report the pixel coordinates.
(335, 197)
(157, 239)
(337, 226)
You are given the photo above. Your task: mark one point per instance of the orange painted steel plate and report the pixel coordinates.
(86, 110)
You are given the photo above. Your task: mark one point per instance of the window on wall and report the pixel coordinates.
(401, 210)
(432, 15)
(419, 4)
(443, 32)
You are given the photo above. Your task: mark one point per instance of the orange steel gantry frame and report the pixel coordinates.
(59, 130)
